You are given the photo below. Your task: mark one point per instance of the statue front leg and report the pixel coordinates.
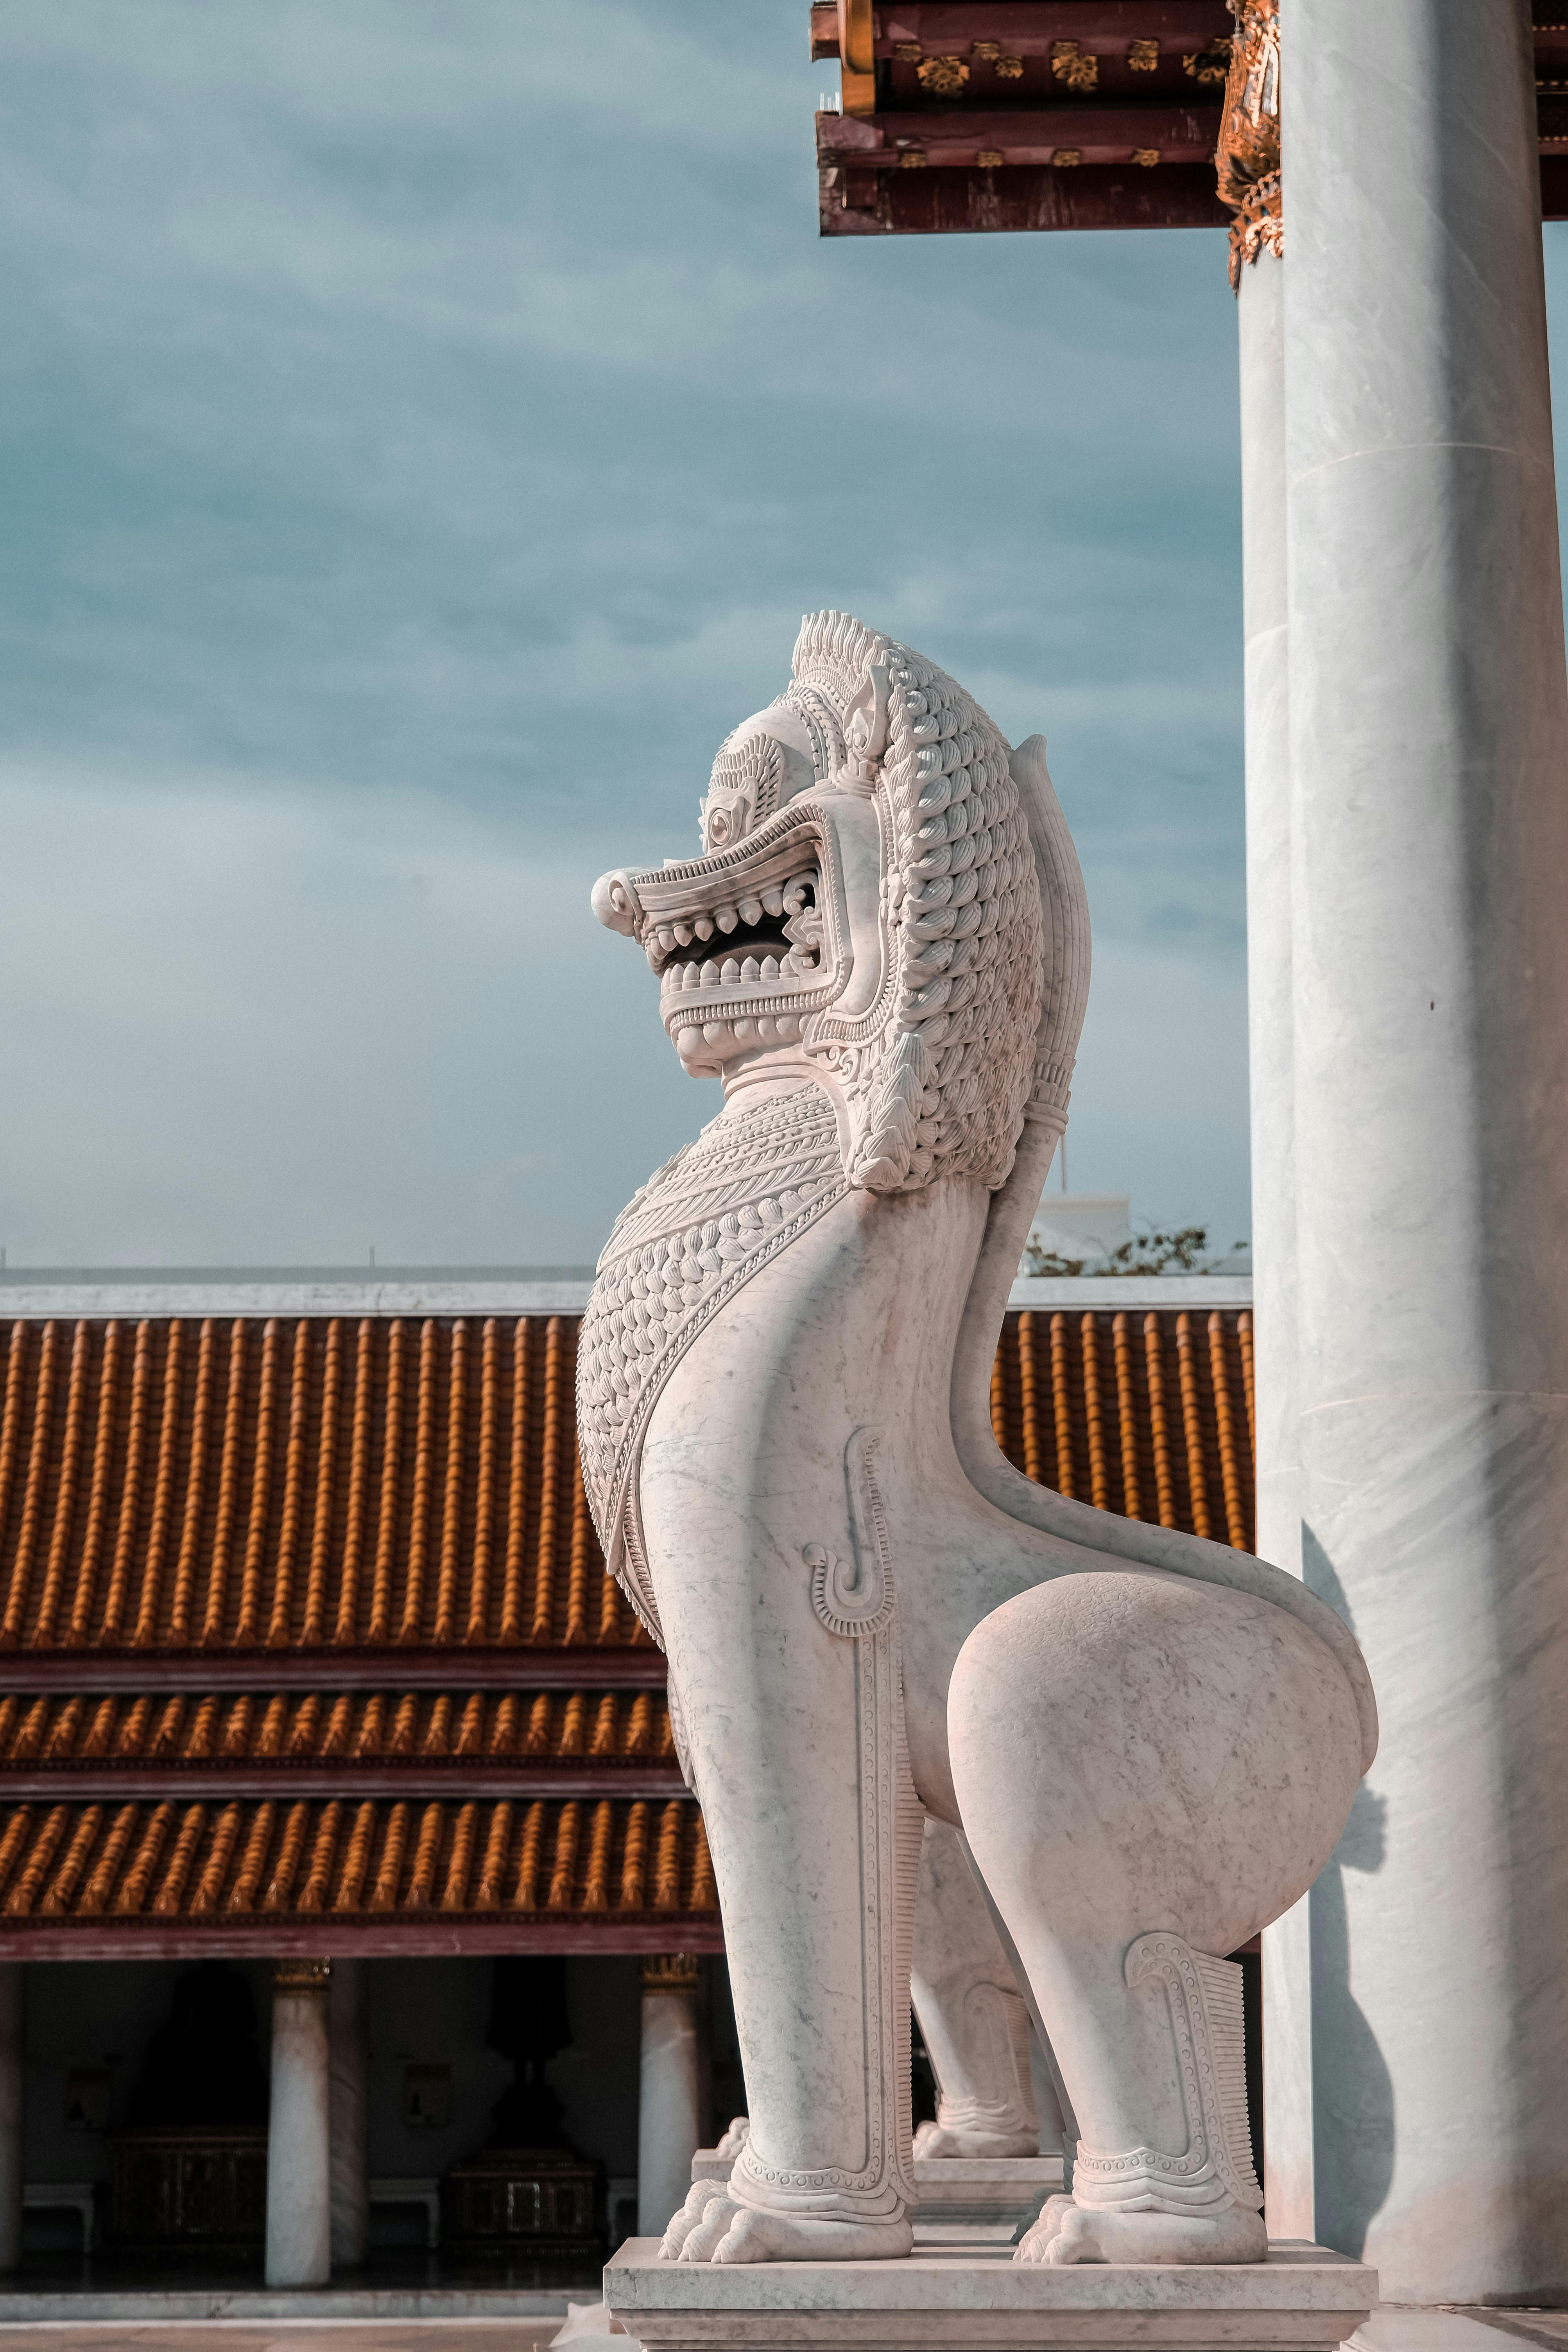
(795, 1746)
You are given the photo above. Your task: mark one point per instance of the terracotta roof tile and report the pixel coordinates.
(83, 1865)
(1147, 1413)
(312, 1483)
(425, 1728)
(320, 1484)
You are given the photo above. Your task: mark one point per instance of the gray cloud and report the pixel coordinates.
(422, 431)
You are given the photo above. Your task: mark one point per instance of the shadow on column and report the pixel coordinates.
(1353, 2091)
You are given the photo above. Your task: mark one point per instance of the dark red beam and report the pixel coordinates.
(370, 1936)
(962, 135)
(1029, 27)
(941, 203)
(413, 1778)
(457, 1668)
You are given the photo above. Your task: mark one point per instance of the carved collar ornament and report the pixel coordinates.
(864, 936)
(1247, 162)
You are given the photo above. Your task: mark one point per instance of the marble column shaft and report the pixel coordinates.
(670, 2129)
(12, 1983)
(298, 2137)
(1287, 1956)
(349, 2039)
(1429, 830)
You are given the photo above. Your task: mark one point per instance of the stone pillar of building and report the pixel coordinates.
(1287, 1957)
(348, 2032)
(299, 2134)
(11, 2073)
(670, 2126)
(1251, 181)
(1429, 781)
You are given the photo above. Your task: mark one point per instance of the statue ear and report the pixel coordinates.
(866, 719)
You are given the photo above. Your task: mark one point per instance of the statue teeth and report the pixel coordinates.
(788, 1024)
(689, 975)
(666, 937)
(710, 974)
(751, 969)
(683, 933)
(703, 926)
(731, 971)
(726, 917)
(773, 898)
(751, 910)
(770, 968)
(745, 1030)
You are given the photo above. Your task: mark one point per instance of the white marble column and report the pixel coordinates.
(670, 2129)
(298, 2134)
(1287, 1959)
(11, 2075)
(1429, 768)
(348, 2030)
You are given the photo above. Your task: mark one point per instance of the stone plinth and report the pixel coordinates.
(969, 2191)
(1303, 2297)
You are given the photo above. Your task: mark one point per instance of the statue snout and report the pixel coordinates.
(615, 902)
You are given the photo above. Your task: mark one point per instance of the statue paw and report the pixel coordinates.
(710, 2227)
(730, 2233)
(698, 2197)
(734, 2139)
(1066, 2232)
(757, 2237)
(1033, 2245)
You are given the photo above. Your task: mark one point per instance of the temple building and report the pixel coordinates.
(352, 1902)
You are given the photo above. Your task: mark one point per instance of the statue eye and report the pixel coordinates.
(718, 826)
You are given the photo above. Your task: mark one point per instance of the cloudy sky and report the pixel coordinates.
(423, 426)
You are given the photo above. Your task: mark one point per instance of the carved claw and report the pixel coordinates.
(698, 2197)
(1034, 2246)
(704, 2240)
(1066, 2232)
(755, 2237)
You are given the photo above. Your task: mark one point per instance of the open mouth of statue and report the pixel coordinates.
(738, 968)
(743, 940)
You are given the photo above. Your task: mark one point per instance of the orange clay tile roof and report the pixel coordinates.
(139, 1878)
(391, 1485)
(259, 1581)
(1146, 1413)
(427, 1728)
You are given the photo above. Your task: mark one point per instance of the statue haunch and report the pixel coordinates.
(1149, 1743)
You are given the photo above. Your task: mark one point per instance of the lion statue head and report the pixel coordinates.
(867, 912)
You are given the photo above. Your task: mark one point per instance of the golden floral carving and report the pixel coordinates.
(913, 159)
(989, 158)
(301, 1976)
(1144, 56)
(986, 51)
(1078, 67)
(1009, 68)
(1247, 161)
(908, 53)
(669, 1972)
(1209, 64)
(942, 76)
(1065, 158)
(1147, 156)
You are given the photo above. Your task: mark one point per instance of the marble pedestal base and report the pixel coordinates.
(983, 2199)
(1302, 2299)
